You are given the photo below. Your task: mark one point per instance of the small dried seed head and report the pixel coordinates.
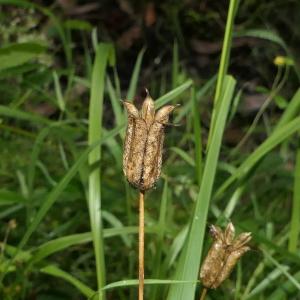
(223, 255)
(142, 157)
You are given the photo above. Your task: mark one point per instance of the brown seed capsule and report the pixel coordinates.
(143, 146)
(223, 255)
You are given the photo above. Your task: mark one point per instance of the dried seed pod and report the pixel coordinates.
(143, 146)
(223, 255)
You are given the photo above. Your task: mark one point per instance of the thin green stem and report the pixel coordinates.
(224, 61)
(295, 219)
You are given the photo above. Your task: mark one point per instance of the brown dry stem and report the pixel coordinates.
(203, 294)
(141, 245)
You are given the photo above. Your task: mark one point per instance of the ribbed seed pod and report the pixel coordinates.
(223, 255)
(142, 158)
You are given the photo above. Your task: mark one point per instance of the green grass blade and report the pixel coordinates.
(22, 115)
(283, 290)
(228, 211)
(263, 34)
(269, 144)
(135, 282)
(64, 242)
(197, 138)
(168, 97)
(295, 220)
(191, 256)
(272, 276)
(59, 244)
(135, 76)
(34, 157)
(9, 197)
(291, 111)
(56, 272)
(186, 108)
(18, 54)
(226, 49)
(116, 150)
(175, 65)
(54, 194)
(224, 62)
(58, 92)
(116, 223)
(184, 155)
(115, 102)
(176, 247)
(95, 132)
(283, 269)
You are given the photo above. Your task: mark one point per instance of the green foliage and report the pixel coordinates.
(68, 218)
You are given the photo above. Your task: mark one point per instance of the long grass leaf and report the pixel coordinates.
(115, 102)
(64, 242)
(197, 138)
(134, 282)
(263, 34)
(283, 269)
(95, 132)
(269, 144)
(58, 189)
(22, 115)
(184, 155)
(224, 62)
(266, 282)
(59, 244)
(283, 290)
(295, 219)
(175, 65)
(191, 256)
(135, 76)
(56, 272)
(291, 111)
(168, 97)
(186, 108)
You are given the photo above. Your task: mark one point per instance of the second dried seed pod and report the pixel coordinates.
(142, 158)
(223, 255)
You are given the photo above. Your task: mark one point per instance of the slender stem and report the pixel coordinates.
(141, 245)
(203, 294)
(224, 61)
(295, 223)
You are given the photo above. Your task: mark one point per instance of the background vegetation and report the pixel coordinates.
(64, 66)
